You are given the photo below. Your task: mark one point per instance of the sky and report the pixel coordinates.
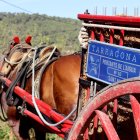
(69, 8)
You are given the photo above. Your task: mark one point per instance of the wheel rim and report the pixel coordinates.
(92, 110)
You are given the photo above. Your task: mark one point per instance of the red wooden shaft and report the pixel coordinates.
(43, 107)
(36, 118)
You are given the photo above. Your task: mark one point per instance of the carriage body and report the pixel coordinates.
(114, 38)
(108, 69)
(112, 57)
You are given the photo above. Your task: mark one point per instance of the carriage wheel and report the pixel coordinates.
(99, 121)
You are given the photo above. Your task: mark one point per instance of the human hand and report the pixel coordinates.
(83, 37)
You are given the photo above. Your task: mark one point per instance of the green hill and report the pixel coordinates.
(61, 32)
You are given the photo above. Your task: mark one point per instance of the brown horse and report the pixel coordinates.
(58, 87)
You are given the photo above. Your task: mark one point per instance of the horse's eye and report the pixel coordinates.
(7, 65)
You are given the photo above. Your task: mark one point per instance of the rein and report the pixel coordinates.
(11, 100)
(19, 78)
(9, 91)
(33, 96)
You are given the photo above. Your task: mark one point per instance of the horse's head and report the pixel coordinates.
(14, 56)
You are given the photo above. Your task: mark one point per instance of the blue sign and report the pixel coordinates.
(111, 63)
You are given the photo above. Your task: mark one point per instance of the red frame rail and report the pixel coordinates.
(119, 20)
(114, 22)
(44, 108)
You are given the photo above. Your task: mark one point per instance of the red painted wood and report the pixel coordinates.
(95, 123)
(111, 36)
(43, 107)
(119, 20)
(101, 35)
(104, 97)
(136, 114)
(92, 35)
(36, 118)
(121, 38)
(107, 126)
(104, 108)
(86, 135)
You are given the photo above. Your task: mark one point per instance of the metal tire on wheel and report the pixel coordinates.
(94, 114)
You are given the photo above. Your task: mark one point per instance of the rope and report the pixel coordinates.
(33, 96)
(111, 27)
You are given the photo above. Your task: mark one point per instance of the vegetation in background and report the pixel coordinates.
(61, 32)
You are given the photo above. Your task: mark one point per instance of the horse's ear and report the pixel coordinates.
(28, 39)
(16, 40)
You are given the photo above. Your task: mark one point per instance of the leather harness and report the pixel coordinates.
(25, 72)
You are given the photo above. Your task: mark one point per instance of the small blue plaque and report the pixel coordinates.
(111, 63)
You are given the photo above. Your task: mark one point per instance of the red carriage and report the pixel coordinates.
(108, 102)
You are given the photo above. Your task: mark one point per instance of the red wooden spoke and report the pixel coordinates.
(115, 106)
(104, 108)
(105, 96)
(86, 135)
(95, 127)
(107, 126)
(136, 113)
